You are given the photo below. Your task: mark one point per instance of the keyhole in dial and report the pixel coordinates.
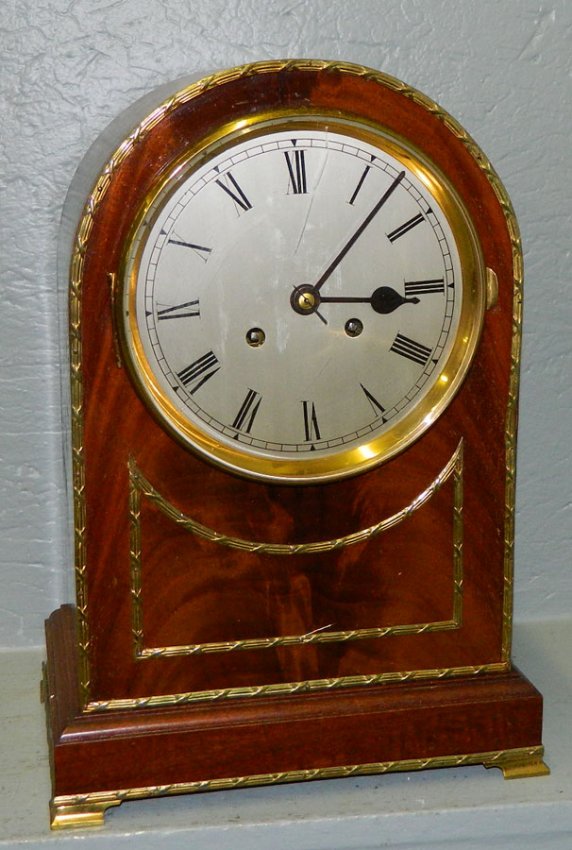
(353, 327)
(255, 337)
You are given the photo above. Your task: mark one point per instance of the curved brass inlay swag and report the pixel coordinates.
(75, 314)
(143, 486)
(140, 486)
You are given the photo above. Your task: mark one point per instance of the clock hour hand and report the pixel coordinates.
(383, 300)
(306, 299)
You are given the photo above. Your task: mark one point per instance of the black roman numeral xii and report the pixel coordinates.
(296, 162)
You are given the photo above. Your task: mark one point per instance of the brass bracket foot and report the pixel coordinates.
(519, 764)
(91, 812)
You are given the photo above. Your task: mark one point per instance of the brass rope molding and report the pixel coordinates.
(288, 688)
(72, 811)
(140, 484)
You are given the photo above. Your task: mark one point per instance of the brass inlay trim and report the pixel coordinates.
(76, 281)
(316, 636)
(511, 420)
(77, 810)
(78, 462)
(285, 688)
(140, 486)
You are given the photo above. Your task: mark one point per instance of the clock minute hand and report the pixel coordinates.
(355, 236)
(384, 300)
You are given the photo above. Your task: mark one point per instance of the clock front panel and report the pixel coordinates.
(194, 578)
(210, 586)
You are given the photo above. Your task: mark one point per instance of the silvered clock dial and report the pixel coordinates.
(301, 298)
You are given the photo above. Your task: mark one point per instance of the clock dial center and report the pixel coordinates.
(305, 299)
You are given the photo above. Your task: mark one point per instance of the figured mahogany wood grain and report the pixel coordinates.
(149, 748)
(194, 591)
(118, 426)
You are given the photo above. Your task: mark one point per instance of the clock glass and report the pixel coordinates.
(300, 298)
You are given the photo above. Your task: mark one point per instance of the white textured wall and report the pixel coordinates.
(502, 67)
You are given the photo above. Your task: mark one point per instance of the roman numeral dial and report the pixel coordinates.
(424, 287)
(405, 227)
(375, 405)
(200, 250)
(297, 298)
(360, 183)
(311, 427)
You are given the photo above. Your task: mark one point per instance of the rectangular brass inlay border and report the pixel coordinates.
(140, 487)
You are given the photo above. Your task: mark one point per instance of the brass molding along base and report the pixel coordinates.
(287, 688)
(87, 810)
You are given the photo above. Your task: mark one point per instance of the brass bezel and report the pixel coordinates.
(442, 387)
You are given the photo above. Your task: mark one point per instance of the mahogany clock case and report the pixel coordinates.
(229, 631)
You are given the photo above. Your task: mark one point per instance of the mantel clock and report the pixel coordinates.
(295, 307)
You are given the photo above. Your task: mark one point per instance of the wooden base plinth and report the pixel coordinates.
(100, 759)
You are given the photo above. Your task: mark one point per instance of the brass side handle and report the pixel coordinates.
(492, 283)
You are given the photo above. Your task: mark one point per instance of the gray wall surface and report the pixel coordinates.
(501, 67)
